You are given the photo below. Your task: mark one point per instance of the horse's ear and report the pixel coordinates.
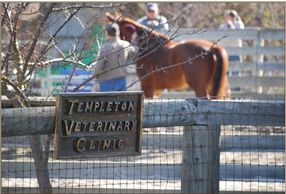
(113, 18)
(110, 17)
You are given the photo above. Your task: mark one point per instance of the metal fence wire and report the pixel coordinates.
(251, 154)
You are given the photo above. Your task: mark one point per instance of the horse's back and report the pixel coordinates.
(197, 44)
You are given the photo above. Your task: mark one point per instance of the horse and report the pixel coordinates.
(163, 63)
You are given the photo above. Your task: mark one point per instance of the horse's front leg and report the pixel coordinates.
(148, 91)
(147, 87)
(202, 94)
(157, 93)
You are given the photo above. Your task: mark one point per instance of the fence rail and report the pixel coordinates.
(40, 120)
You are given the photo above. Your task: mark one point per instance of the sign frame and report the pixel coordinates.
(79, 118)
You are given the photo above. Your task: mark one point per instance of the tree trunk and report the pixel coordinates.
(40, 157)
(41, 164)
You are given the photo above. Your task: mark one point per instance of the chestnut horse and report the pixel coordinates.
(163, 63)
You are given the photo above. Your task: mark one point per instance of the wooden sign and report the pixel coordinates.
(98, 124)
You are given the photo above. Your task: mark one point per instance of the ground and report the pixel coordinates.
(251, 159)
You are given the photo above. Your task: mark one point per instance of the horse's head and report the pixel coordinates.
(143, 37)
(129, 28)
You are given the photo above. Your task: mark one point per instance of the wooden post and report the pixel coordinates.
(259, 59)
(200, 165)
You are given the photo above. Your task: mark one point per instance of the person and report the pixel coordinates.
(112, 60)
(232, 21)
(153, 20)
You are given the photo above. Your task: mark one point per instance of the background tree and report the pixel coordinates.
(211, 15)
(28, 36)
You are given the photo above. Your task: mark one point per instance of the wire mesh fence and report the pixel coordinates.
(250, 154)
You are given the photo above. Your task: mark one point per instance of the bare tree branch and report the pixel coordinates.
(84, 6)
(37, 35)
(163, 69)
(5, 13)
(76, 64)
(18, 92)
(52, 37)
(56, 60)
(13, 47)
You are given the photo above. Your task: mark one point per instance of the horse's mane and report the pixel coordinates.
(149, 30)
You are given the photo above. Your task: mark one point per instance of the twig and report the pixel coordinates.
(190, 60)
(76, 64)
(88, 6)
(13, 43)
(45, 63)
(37, 35)
(22, 98)
(44, 50)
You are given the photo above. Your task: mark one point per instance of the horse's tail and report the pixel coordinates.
(220, 83)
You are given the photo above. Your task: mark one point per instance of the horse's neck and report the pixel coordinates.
(151, 43)
(157, 37)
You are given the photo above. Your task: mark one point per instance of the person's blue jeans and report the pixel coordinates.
(117, 84)
(234, 58)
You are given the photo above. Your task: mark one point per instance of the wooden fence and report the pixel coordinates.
(201, 119)
(261, 73)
